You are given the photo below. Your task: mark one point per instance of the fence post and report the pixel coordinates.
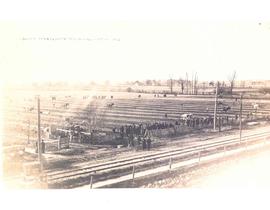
(199, 157)
(91, 182)
(133, 173)
(224, 149)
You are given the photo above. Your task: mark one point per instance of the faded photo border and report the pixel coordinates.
(107, 11)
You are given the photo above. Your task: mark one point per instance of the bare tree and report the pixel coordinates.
(232, 81)
(192, 84)
(218, 84)
(187, 82)
(181, 82)
(170, 84)
(196, 84)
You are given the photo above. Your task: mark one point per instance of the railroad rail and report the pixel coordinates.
(180, 154)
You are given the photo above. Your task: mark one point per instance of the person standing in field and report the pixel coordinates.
(144, 144)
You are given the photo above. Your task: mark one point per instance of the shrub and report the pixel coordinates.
(129, 89)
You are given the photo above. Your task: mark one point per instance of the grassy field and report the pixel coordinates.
(20, 112)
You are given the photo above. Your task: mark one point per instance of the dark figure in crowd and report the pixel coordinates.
(148, 144)
(144, 144)
(131, 141)
(226, 108)
(122, 132)
(139, 140)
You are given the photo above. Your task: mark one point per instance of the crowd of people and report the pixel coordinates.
(192, 122)
(137, 135)
(143, 142)
(140, 129)
(196, 122)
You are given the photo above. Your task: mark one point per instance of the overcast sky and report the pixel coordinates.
(130, 49)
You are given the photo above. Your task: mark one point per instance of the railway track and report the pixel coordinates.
(118, 168)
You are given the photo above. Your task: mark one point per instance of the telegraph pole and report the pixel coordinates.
(215, 110)
(171, 85)
(39, 134)
(240, 117)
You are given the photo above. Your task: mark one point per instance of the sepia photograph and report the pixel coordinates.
(130, 101)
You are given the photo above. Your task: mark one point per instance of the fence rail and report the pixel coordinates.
(200, 150)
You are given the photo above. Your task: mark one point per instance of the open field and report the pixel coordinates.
(20, 109)
(104, 111)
